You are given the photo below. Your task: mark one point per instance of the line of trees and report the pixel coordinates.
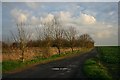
(53, 34)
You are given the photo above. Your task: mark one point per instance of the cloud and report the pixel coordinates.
(83, 19)
(24, 16)
(111, 13)
(47, 19)
(35, 20)
(87, 19)
(103, 34)
(64, 16)
(19, 15)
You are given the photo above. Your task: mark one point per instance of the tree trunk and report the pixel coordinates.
(58, 50)
(23, 56)
(72, 49)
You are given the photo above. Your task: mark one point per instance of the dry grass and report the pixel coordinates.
(15, 53)
(30, 53)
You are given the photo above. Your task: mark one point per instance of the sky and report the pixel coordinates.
(99, 19)
(59, 0)
(0, 21)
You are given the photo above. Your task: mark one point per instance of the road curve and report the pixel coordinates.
(65, 68)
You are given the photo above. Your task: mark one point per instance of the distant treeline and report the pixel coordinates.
(83, 41)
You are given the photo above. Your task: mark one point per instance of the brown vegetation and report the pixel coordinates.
(30, 53)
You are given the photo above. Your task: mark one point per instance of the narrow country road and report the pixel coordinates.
(65, 68)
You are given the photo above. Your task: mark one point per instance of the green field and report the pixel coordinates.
(105, 65)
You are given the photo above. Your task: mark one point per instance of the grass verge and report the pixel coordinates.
(94, 70)
(107, 61)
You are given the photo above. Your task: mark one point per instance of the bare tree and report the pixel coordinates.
(58, 33)
(40, 36)
(58, 39)
(53, 32)
(21, 38)
(86, 41)
(70, 34)
(46, 37)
